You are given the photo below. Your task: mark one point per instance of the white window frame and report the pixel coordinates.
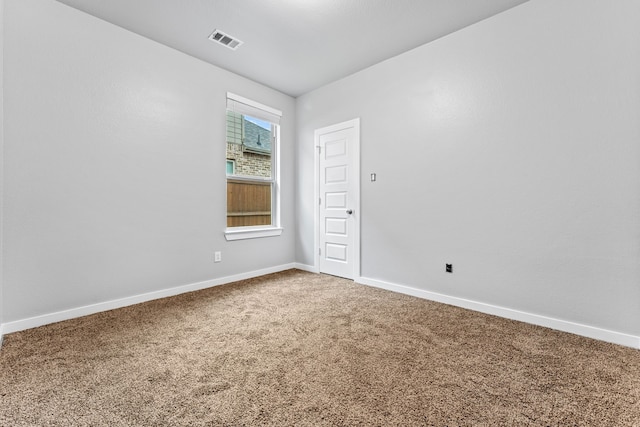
(254, 109)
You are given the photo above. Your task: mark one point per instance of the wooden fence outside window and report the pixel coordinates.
(248, 203)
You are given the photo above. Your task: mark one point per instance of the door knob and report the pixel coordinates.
(349, 211)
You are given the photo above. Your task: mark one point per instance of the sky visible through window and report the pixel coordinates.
(263, 124)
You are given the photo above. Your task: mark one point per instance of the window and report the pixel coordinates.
(231, 167)
(252, 169)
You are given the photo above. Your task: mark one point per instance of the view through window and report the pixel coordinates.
(251, 162)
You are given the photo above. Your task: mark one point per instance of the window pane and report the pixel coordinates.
(248, 203)
(230, 167)
(249, 145)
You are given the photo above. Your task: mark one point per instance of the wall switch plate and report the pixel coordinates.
(217, 256)
(448, 268)
(373, 177)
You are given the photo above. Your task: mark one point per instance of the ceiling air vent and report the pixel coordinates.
(225, 39)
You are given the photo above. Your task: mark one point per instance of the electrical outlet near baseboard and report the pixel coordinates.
(217, 256)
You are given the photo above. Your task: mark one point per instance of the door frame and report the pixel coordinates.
(355, 163)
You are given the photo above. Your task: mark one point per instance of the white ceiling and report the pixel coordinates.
(294, 46)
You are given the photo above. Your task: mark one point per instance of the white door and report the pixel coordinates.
(338, 201)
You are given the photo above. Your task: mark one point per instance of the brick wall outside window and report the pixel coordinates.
(246, 163)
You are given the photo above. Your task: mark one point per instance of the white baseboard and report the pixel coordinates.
(33, 322)
(561, 325)
(535, 319)
(305, 267)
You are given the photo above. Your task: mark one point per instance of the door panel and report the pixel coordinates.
(337, 226)
(338, 200)
(335, 174)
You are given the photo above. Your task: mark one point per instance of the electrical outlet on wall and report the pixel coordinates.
(217, 256)
(448, 268)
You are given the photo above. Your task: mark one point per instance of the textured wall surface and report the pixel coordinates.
(115, 175)
(517, 161)
(1, 156)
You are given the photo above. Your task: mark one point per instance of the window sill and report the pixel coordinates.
(241, 233)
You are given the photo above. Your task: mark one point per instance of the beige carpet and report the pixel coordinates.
(300, 349)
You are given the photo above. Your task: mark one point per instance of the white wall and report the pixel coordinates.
(510, 149)
(1, 150)
(114, 165)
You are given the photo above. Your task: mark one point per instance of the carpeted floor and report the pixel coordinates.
(300, 349)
